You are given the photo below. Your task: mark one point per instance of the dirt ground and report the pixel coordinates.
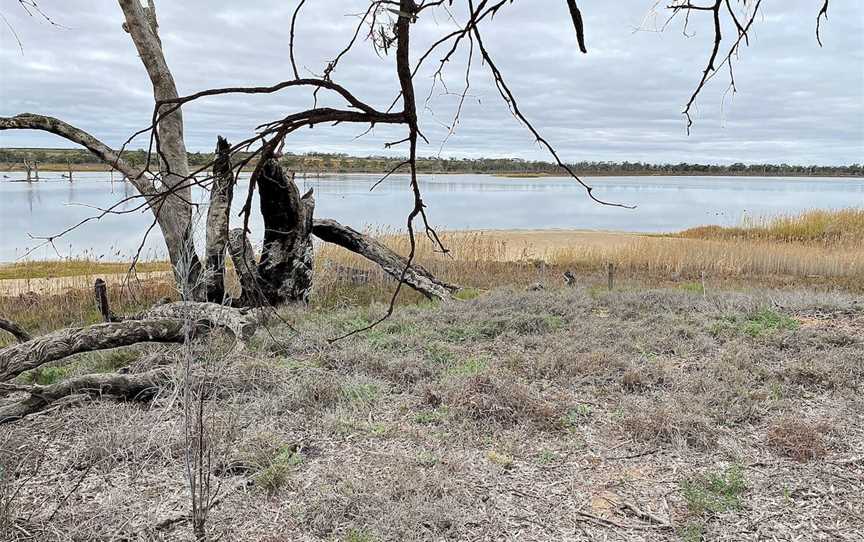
(571, 414)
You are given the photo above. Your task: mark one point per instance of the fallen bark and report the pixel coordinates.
(392, 263)
(140, 386)
(16, 330)
(21, 357)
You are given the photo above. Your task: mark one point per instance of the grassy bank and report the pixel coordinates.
(575, 414)
(816, 250)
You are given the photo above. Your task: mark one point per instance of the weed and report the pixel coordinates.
(431, 417)
(768, 321)
(715, 492)
(427, 459)
(546, 457)
(501, 459)
(692, 531)
(439, 354)
(759, 323)
(364, 393)
(578, 415)
(46, 376)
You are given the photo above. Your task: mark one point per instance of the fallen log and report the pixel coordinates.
(21, 357)
(392, 263)
(140, 386)
(238, 321)
(16, 330)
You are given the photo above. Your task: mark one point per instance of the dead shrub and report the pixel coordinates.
(678, 423)
(483, 397)
(310, 389)
(799, 439)
(643, 376)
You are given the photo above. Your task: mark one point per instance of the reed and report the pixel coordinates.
(816, 249)
(824, 227)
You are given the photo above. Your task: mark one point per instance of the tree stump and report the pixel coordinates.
(285, 269)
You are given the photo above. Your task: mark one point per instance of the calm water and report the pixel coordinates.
(454, 202)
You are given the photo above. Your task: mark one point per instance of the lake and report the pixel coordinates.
(664, 204)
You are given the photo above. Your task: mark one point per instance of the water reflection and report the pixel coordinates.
(454, 202)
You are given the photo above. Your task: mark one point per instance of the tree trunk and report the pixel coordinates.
(218, 217)
(243, 256)
(415, 276)
(174, 211)
(285, 269)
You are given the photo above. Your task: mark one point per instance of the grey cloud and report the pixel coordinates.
(796, 102)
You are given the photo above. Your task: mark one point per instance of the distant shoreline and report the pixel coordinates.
(98, 167)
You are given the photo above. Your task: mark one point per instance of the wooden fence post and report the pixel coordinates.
(101, 291)
(610, 271)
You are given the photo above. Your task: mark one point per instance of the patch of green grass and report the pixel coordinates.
(439, 354)
(692, 531)
(431, 417)
(692, 287)
(112, 360)
(427, 459)
(757, 324)
(359, 535)
(715, 492)
(45, 376)
(470, 367)
(767, 321)
(578, 415)
(361, 392)
(546, 457)
(468, 293)
(275, 475)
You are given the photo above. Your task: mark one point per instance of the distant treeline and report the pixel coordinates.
(343, 163)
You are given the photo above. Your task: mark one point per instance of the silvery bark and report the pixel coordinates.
(218, 218)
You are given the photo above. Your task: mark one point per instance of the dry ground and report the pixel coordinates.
(573, 414)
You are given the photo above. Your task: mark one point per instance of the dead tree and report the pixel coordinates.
(168, 323)
(285, 269)
(392, 263)
(283, 273)
(32, 168)
(139, 386)
(218, 218)
(166, 191)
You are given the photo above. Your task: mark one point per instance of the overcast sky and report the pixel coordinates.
(796, 102)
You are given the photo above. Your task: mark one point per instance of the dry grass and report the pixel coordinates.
(840, 227)
(797, 438)
(508, 416)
